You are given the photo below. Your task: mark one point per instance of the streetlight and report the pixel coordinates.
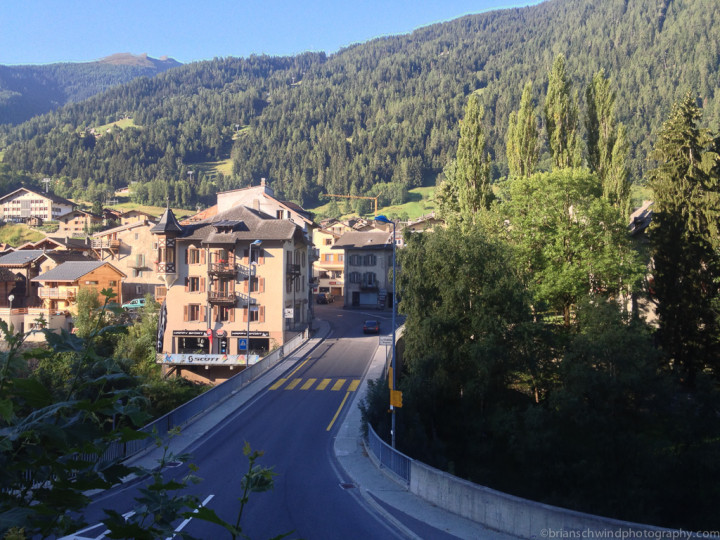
(247, 345)
(383, 219)
(10, 299)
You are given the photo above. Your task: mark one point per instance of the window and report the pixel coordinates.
(193, 312)
(369, 260)
(369, 279)
(354, 277)
(279, 214)
(112, 283)
(137, 236)
(193, 284)
(328, 241)
(91, 283)
(254, 314)
(255, 284)
(193, 256)
(226, 314)
(341, 257)
(137, 272)
(327, 257)
(355, 260)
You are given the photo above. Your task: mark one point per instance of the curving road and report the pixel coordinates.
(294, 421)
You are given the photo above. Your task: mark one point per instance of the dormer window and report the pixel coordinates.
(227, 226)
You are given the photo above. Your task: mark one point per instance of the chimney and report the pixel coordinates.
(256, 203)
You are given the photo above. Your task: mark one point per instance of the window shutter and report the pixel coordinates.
(187, 255)
(261, 284)
(261, 315)
(204, 314)
(202, 256)
(231, 314)
(202, 284)
(185, 313)
(215, 313)
(246, 285)
(187, 284)
(261, 256)
(245, 314)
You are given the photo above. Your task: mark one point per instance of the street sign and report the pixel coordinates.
(289, 313)
(386, 340)
(242, 344)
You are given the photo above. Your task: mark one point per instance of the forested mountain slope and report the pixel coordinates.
(27, 91)
(384, 111)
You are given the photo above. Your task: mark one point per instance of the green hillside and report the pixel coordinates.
(383, 113)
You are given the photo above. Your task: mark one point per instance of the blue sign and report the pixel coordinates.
(242, 344)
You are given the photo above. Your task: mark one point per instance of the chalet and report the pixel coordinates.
(77, 222)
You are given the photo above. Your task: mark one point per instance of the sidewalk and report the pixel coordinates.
(386, 495)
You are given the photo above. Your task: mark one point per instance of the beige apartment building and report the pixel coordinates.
(23, 204)
(236, 280)
(329, 268)
(132, 249)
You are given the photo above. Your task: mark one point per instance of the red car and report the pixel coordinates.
(371, 327)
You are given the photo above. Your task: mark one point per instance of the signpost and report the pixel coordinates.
(242, 344)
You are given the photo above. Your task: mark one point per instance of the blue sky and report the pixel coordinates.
(48, 31)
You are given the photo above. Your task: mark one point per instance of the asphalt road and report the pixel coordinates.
(293, 421)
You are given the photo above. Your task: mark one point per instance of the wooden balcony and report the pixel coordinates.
(221, 297)
(222, 269)
(105, 243)
(165, 267)
(59, 293)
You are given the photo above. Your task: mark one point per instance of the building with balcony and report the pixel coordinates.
(132, 249)
(59, 288)
(23, 204)
(367, 266)
(235, 282)
(77, 222)
(329, 268)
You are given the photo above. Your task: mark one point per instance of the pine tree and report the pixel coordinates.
(522, 137)
(472, 173)
(561, 118)
(686, 265)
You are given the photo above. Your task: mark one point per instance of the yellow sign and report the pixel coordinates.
(396, 398)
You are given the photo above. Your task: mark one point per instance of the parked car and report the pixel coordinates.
(371, 327)
(325, 298)
(137, 303)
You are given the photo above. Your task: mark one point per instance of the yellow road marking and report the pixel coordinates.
(338, 385)
(297, 368)
(354, 385)
(278, 384)
(293, 384)
(308, 384)
(337, 413)
(323, 384)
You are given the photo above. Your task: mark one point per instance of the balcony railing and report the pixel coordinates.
(105, 243)
(221, 297)
(165, 267)
(56, 293)
(223, 269)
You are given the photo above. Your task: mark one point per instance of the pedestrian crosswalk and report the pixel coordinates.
(332, 385)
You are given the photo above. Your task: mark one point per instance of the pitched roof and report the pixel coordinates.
(65, 256)
(168, 223)
(73, 270)
(21, 257)
(54, 198)
(254, 225)
(77, 243)
(376, 239)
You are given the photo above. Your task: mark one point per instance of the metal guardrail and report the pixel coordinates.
(180, 416)
(388, 457)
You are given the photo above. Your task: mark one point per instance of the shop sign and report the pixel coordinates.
(253, 333)
(203, 359)
(197, 333)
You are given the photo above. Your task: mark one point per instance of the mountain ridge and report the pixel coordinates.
(379, 117)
